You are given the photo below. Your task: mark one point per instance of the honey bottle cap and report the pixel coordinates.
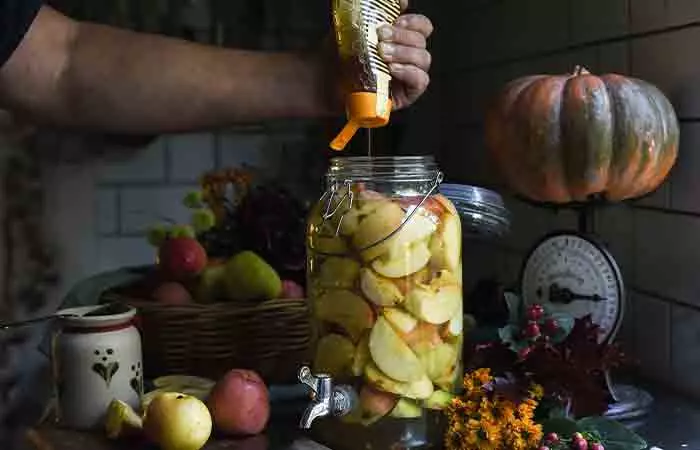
(364, 110)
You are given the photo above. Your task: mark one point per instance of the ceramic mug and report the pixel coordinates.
(96, 359)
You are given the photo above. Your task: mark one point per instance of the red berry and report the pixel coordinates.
(551, 438)
(597, 446)
(551, 326)
(524, 352)
(535, 312)
(579, 444)
(532, 330)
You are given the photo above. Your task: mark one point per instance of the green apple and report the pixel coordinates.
(406, 409)
(379, 290)
(176, 421)
(402, 321)
(334, 356)
(392, 355)
(420, 389)
(402, 261)
(439, 400)
(361, 356)
(338, 273)
(347, 310)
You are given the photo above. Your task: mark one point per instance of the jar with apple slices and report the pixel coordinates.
(385, 283)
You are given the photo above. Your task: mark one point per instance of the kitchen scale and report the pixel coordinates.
(573, 273)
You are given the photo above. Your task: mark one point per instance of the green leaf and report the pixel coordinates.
(614, 435)
(566, 324)
(509, 336)
(482, 335)
(560, 425)
(513, 305)
(193, 200)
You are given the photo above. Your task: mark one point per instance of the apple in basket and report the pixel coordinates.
(181, 257)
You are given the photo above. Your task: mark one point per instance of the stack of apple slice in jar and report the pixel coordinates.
(390, 315)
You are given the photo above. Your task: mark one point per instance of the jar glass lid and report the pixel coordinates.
(482, 211)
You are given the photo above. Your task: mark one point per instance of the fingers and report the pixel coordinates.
(402, 54)
(404, 4)
(402, 36)
(412, 77)
(416, 22)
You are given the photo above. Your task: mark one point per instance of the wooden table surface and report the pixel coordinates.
(53, 438)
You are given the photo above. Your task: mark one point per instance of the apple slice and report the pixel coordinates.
(436, 303)
(379, 290)
(346, 310)
(334, 355)
(439, 400)
(362, 356)
(425, 335)
(446, 244)
(450, 381)
(439, 362)
(392, 355)
(336, 272)
(402, 321)
(383, 222)
(406, 409)
(403, 261)
(419, 389)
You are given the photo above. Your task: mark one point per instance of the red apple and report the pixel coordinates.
(240, 403)
(172, 293)
(291, 290)
(182, 257)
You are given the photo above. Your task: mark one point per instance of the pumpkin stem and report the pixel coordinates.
(580, 70)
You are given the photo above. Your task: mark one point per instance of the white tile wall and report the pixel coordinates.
(146, 165)
(116, 252)
(141, 207)
(107, 210)
(189, 156)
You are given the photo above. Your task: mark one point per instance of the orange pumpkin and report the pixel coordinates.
(561, 139)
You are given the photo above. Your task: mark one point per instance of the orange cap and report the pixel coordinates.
(364, 110)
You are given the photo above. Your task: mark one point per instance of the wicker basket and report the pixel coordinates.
(273, 337)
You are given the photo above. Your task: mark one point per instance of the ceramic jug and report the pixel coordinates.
(95, 359)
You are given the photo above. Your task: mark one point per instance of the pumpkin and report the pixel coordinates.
(561, 139)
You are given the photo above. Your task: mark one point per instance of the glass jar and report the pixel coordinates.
(384, 277)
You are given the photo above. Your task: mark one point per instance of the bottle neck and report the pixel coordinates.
(416, 170)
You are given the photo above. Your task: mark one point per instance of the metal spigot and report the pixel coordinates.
(326, 400)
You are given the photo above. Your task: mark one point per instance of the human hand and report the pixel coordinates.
(403, 47)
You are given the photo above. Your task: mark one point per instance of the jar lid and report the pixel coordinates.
(482, 211)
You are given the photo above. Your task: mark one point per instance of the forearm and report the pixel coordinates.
(120, 81)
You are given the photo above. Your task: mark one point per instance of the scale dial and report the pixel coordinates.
(575, 275)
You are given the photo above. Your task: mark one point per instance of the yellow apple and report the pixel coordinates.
(423, 336)
(346, 310)
(121, 420)
(403, 261)
(379, 290)
(177, 421)
(402, 321)
(336, 272)
(420, 389)
(392, 355)
(334, 355)
(374, 404)
(439, 361)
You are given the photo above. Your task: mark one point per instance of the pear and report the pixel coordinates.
(379, 290)
(346, 310)
(249, 277)
(334, 355)
(121, 420)
(392, 355)
(420, 389)
(406, 409)
(211, 286)
(403, 261)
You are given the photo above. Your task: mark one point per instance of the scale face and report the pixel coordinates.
(575, 275)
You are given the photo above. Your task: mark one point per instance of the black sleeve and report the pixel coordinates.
(15, 18)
